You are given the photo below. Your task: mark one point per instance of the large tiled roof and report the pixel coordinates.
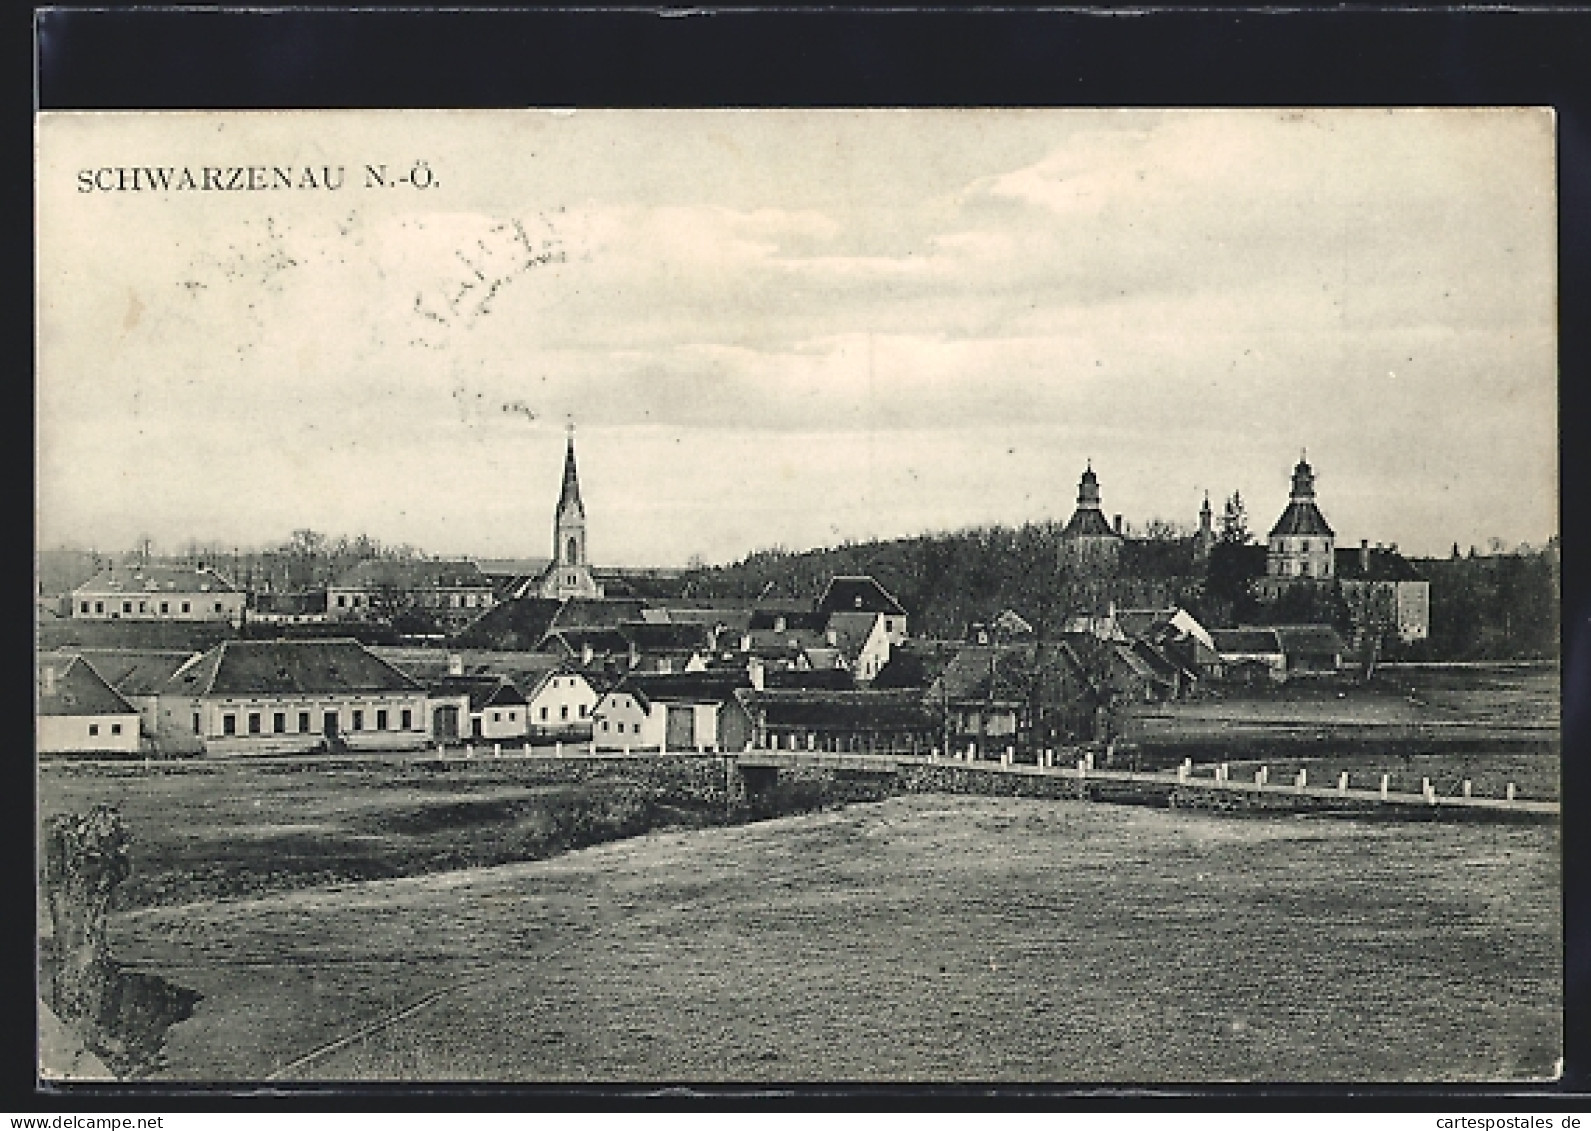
(648, 636)
(1087, 522)
(1384, 565)
(67, 685)
(154, 579)
(483, 690)
(823, 710)
(1245, 641)
(1309, 639)
(133, 671)
(413, 575)
(683, 687)
(998, 672)
(517, 625)
(851, 632)
(574, 641)
(858, 594)
(589, 612)
(763, 619)
(288, 667)
(1301, 520)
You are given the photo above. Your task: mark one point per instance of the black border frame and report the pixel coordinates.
(123, 58)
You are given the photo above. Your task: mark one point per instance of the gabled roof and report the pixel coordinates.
(133, 671)
(851, 632)
(1246, 641)
(818, 679)
(1309, 639)
(518, 624)
(681, 687)
(860, 594)
(781, 645)
(483, 690)
(650, 636)
(985, 672)
(67, 685)
(1301, 520)
(288, 667)
(414, 575)
(574, 641)
(589, 612)
(154, 580)
(764, 619)
(917, 663)
(822, 710)
(1138, 624)
(1384, 565)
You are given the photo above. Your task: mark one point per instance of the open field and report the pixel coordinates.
(922, 938)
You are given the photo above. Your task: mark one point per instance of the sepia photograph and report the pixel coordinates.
(1012, 596)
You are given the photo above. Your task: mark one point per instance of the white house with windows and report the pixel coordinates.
(288, 696)
(158, 593)
(560, 704)
(79, 713)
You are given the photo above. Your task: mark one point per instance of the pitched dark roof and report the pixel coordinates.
(1087, 522)
(516, 625)
(1246, 641)
(1301, 520)
(291, 604)
(851, 632)
(858, 594)
(132, 671)
(1385, 565)
(414, 575)
(917, 663)
(1136, 624)
(1309, 639)
(588, 612)
(154, 579)
(683, 687)
(818, 679)
(763, 619)
(483, 690)
(574, 641)
(840, 710)
(649, 636)
(67, 685)
(288, 667)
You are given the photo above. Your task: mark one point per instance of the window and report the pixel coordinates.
(254, 722)
(513, 716)
(583, 710)
(359, 720)
(197, 725)
(229, 724)
(218, 607)
(127, 606)
(116, 728)
(408, 718)
(563, 711)
(303, 722)
(83, 608)
(604, 724)
(358, 600)
(93, 728)
(279, 722)
(165, 607)
(381, 719)
(143, 606)
(99, 606)
(497, 717)
(544, 714)
(186, 607)
(342, 601)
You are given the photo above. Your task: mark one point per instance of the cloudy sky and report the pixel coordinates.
(795, 328)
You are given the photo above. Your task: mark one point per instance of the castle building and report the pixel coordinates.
(1302, 545)
(569, 574)
(1088, 533)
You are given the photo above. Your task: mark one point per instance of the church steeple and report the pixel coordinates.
(569, 500)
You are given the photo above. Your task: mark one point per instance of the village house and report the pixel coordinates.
(449, 594)
(863, 594)
(79, 713)
(138, 676)
(560, 704)
(1249, 655)
(1384, 591)
(496, 708)
(839, 721)
(289, 696)
(158, 593)
(302, 607)
(1310, 649)
(682, 712)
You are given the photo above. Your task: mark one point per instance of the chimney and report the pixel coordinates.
(745, 641)
(832, 637)
(586, 653)
(49, 679)
(1118, 526)
(635, 654)
(778, 624)
(1364, 555)
(754, 670)
(455, 664)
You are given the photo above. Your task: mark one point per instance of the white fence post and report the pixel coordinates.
(1259, 777)
(1182, 772)
(1303, 778)
(1090, 759)
(1510, 791)
(1386, 781)
(1342, 782)
(1082, 768)
(497, 750)
(1469, 787)
(469, 750)
(1225, 772)
(557, 749)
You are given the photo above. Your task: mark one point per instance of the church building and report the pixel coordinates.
(1302, 546)
(1089, 534)
(569, 574)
